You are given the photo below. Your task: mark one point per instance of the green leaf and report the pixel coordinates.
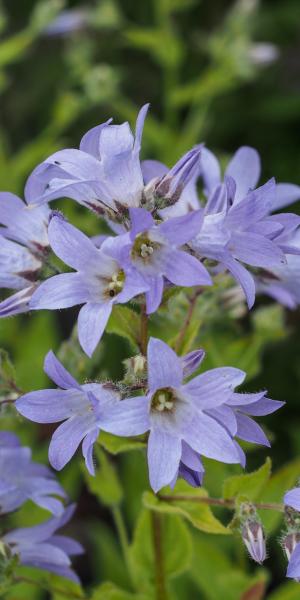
(175, 544)
(126, 323)
(109, 591)
(105, 484)
(61, 588)
(200, 515)
(218, 576)
(280, 482)
(250, 485)
(115, 444)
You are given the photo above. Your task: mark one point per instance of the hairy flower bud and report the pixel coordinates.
(254, 540)
(135, 368)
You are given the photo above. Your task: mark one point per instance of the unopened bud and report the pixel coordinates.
(254, 540)
(135, 368)
(289, 543)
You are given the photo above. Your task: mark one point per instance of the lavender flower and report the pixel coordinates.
(99, 283)
(80, 407)
(106, 175)
(22, 479)
(152, 251)
(175, 412)
(23, 246)
(41, 547)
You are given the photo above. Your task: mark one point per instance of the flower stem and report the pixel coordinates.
(122, 533)
(144, 330)
(161, 593)
(228, 503)
(187, 321)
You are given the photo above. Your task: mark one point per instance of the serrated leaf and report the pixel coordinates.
(105, 484)
(197, 513)
(115, 444)
(126, 323)
(176, 549)
(249, 485)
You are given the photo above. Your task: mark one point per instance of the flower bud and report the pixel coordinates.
(289, 543)
(254, 540)
(135, 368)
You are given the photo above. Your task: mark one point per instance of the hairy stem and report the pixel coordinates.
(161, 593)
(228, 503)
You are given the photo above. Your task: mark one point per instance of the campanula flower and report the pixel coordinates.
(41, 547)
(80, 407)
(175, 412)
(22, 479)
(98, 283)
(23, 248)
(155, 252)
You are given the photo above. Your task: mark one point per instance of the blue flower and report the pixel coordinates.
(79, 406)
(41, 547)
(99, 283)
(22, 479)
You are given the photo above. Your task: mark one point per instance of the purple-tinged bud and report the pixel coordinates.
(191, 361)
(254, 540)
(289, 544)
(168, 189)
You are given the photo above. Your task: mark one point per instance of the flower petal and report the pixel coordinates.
(245, 169)
(154, 295)
(207, 437)
(255, 250)
(92, 320)
(293, 569)
(90, 142)
(180, 230)
(242, 276)
(164, 366)
(87, 449)
(292, 498)
(214, 387)
(57, 372)
(152, 169)
(67, 438)
(141, 220)
(60, 291)
(285, 194)
(249, 431)
(71, 245)
(164, 452)
(211, 171)
(127, 417)
(51, 406)
(185, 270)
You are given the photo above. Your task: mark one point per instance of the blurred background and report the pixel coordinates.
(226, 73)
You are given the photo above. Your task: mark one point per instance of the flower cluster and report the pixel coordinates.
(162, 235)
(185, 420)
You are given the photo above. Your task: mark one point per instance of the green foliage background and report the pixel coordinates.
(192, 60)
